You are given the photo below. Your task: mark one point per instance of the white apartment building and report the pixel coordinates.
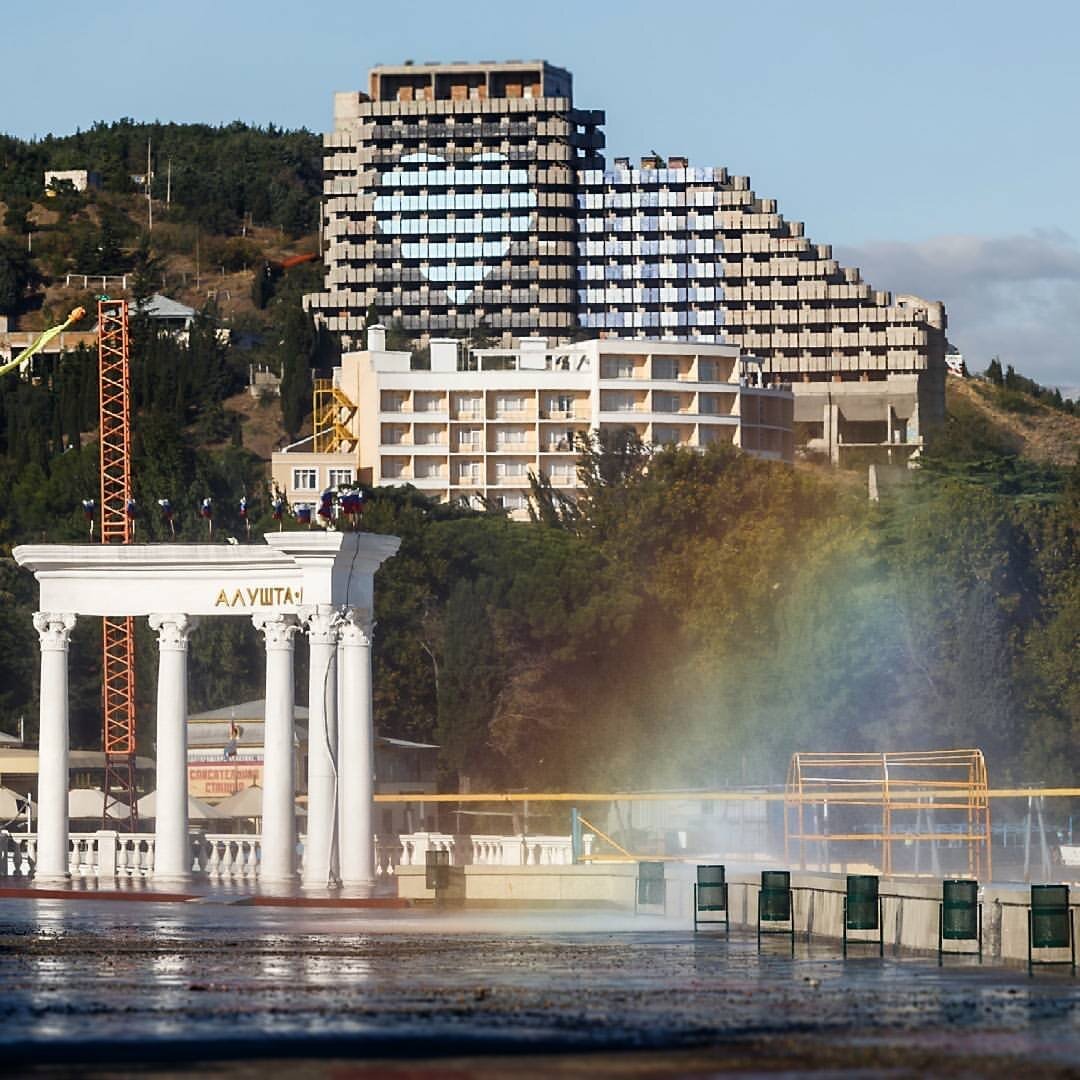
(476, 424)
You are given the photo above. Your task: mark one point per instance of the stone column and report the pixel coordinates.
(320, 868)
(54, 633)
(278, 866)
(356, 757)
(172, 846)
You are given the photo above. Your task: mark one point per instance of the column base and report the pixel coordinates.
(360, 890)
(52, 881)
(278, 886)
(320, 885)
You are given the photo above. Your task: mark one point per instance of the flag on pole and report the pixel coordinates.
(167, 515)
(88, 508)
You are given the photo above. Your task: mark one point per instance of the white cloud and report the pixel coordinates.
(1013, 296)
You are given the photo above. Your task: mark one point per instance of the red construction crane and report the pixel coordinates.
(117, 526)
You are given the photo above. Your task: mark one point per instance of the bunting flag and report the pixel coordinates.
(352, 505)
(206, 511)
(129, 510)
(303, 514)
(277, 508)
(22, 361)
(244, 516)
(167, 515)
(326, 506)
(88, 508)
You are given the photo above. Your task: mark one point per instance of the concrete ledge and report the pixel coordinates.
(910, 905)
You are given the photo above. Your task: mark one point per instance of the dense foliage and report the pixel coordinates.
(691, 621)
(217, 177)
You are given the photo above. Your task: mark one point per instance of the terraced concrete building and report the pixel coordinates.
(465, 195)
(668, 249)
(450, 200)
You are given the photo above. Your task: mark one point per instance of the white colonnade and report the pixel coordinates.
(321, 583)
(172, 858)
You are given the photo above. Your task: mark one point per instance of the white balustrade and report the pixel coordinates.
(218, 857)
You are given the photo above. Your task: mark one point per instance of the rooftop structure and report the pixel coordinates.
(476, 425)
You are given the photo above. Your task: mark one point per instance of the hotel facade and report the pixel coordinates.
(480, 422)
(463, 195)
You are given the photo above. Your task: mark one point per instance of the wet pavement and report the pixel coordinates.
(422, 993)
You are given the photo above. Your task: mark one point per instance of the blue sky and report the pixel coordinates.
(933, 144)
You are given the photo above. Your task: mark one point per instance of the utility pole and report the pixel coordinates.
(168, 183)
(149, 198)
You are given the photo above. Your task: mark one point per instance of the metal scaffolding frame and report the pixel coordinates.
(332, 413)
(930, 784)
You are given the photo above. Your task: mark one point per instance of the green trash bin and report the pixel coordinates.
(1050, 924)
(711, 894)
(437, 870)
(775, 904)
(651, 887)
(862, 907)
(959, 914)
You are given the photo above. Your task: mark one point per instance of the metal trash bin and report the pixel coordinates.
(711, 894)
(959, 914)
(775, 904)
(1050, 925)
(437, 870)
(651, 886)
(862, 908)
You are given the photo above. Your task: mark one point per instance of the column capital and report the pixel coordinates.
(54, 629)
(173, 630)
(321, 621)
(277, 628)
(356, 626)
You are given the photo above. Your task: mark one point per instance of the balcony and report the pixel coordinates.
(527, 447)
(515, 415)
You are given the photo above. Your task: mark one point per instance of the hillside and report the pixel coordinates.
(986, 419)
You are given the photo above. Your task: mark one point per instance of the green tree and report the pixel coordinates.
(16, 275)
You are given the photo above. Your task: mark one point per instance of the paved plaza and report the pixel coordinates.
(97, 988)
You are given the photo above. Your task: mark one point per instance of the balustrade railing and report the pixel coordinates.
(236, 856)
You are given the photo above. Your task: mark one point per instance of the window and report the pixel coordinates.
(665, 367)
(305, 479)
(511, 468)
(667, 403)
(561, 403)
(513, 437)
(339, 477)
(618, 367)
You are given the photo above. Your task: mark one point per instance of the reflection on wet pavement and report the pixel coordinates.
(87, 979)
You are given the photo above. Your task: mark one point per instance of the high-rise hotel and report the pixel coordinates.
(459, 195)
(451, 199)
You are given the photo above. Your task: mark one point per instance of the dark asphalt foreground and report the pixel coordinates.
(109, 989)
